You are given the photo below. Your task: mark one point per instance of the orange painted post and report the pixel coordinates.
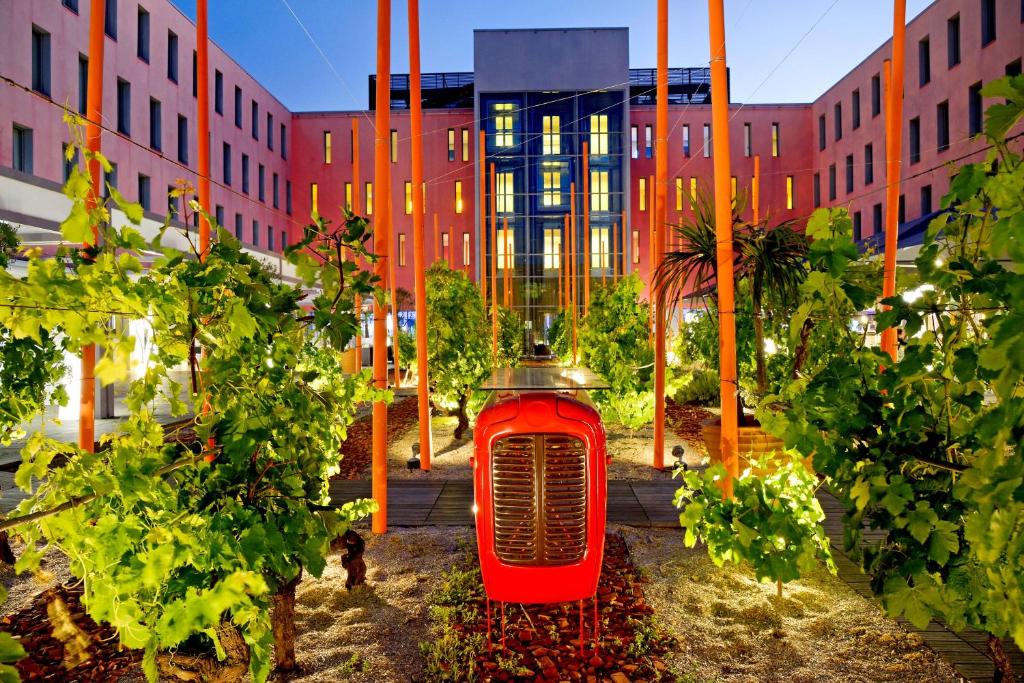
(418, 255)
(482, 212)
(357, 210)
(494, 270)
(587, 265)
(661, 223)
(381, 180)
(723, 231)
(893, 152)
(94, 114)
(755, 188)
(202, 123)
(437, 238)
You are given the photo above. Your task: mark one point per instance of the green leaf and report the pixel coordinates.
(77, 227)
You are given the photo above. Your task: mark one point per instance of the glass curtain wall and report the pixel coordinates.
(535, 141)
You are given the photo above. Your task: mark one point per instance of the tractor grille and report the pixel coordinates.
(540, 499)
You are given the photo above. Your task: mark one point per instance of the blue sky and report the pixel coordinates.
(264, 37)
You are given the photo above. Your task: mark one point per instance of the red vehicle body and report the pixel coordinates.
(540, 484)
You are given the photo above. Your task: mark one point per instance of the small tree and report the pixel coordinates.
(458, 340)
(511, 335)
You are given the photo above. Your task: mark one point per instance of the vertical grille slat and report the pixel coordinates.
(540, 499)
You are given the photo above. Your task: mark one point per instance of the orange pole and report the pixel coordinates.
(437, 239)
(482, 212)
(94, 114)
(587, 265)
(661, 222)
(494, 270)
(723, 230)
(506, 280)
(573, 284)
(203, 123)
(893, 152)
(393, 287)
(755, 189)
(357, 210)
(615, 252)
(381, 180)
(419, 258)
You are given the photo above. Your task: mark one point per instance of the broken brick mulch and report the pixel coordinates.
(357, 449)
(684, 420)
(47, 658)
(542, 641)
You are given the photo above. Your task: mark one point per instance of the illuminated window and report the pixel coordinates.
(505, 192)
(775, 139)
(598, 133)
(369, 199)
(733, 185)
(458, 196)
(599, 190)
(648, 141)
(451, 144)
(314, 192)
(642, 190)
(423, 197)
(327, 146)
(552, 248)
(465, 248)
(599, 256)
(401, 248)
(394, 146)
(408, 197)
(506, 237)
(504, 133)
(789, 192)
(679, 194)
(686, 139)
(465, 144)
(445, 246)
(634, 150)
(348, 196)
(746, 140)
(551, 175)
(551, 135)
(636, 247)
(707, 139)
(693, 188)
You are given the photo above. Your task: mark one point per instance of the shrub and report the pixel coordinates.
(511, 336)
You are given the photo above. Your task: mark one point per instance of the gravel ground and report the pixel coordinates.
(732, 629)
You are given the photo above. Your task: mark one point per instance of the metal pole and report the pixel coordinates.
(893, 152)
(586, 227)
(419, 260)
(380, 245)
(494, 271)
(661, 221)
(723, 230)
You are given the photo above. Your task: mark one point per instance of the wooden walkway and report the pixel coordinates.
(649, 504)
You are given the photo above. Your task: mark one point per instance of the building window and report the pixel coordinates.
(855, 109)
(849, 173)
(40, 61)
(821, 132)
(869, 163)
(314, 197)
(71, 5)
(69, 164)
(599, 134)
(458, 196)
(83, 83)
(775, 139)
(238, 226)
(284, 240)
(369, 199)
(915, 140)
(465, 248)
(975, 109)
(876, 95)
(218, 212)
(218, 92)
(634, 142)
(270, 238)
(144, 193)
(195, 72)
(746, 140)
(1013, 68)
(789, 192)
(924, 61)
(401, 249)
(408, 198)
(552, 248)
(270, 132)
(465, 144)
(506, 246)
(838, 112)
(110, 19)
(942, 125)
(953, 40)
(707, 139)
(599, 191)
(857, 226)
(124, 107)
(642, 193)
(504, 131)
(988, 21)
(143, 35)
(648, 141)
(816, 190)
(284, 139)
(504, 198)
(926, 200)
(327, 147)
(679, 194)
(276, 186)
(288, 197)
(876, 218)
(22, 150)
(227, 164)
(732, 187)
(255, 233)
(182, 139)
(451, 144)
(238, 107)
(172, 56)
(110, 179)
(254, 108)
(154, 124)
(832, 182)
(636, 247)
(693, 188)
(599, 247)
(551, 135)
(686, 139)
(245, 173)
(901, 210)
(394, 146)
(348, 196)
(261, 183)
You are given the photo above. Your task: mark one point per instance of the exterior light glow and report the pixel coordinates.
(913, 295)
(770, 347)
